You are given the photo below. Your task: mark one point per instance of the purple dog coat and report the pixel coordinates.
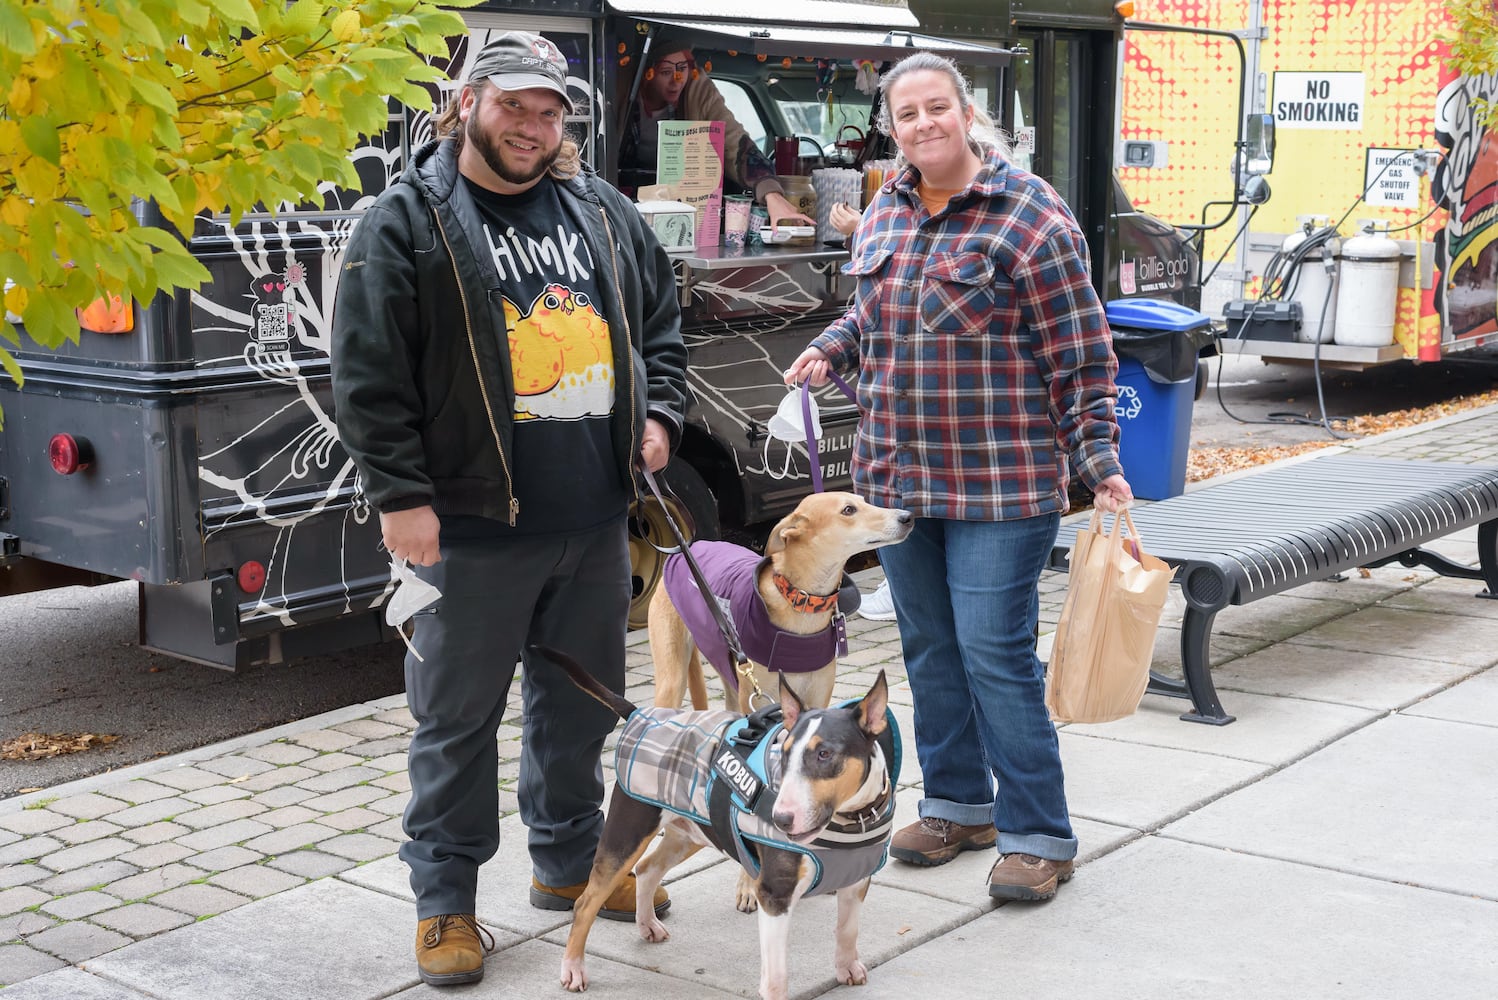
(730, 572)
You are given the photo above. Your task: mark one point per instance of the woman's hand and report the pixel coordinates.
(844, 218)
(811, 365)
(1112, 495)
(781, 210)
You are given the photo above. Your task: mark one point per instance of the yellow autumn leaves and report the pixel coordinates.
(201, 106)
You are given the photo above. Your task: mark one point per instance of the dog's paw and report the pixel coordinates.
(653, 930)
(744, 898)
(855, 973)
(574, 978)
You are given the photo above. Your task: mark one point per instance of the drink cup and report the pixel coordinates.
(787, 148)
(759, 219)
(736, 219)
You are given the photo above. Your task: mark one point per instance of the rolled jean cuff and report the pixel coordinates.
(961, 813)
(1039, 845)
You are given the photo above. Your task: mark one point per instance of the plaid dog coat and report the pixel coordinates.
(664, 758)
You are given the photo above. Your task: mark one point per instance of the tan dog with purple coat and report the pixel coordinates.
(797, 584)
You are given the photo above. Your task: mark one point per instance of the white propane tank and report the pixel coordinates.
(1315, 287)
(1368, 294)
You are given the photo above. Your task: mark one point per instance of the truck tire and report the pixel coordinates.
(695, 511)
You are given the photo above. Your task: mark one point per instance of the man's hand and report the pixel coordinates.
(412, 535)
(781, 210)
(655, 445)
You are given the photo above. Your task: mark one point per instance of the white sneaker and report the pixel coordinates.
(878, 606)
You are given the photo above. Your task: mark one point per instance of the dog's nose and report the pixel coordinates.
(904, 516)
(784, 819)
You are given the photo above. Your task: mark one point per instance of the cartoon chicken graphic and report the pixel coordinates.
(561, 356)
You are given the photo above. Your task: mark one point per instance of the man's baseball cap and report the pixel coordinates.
(519, 60)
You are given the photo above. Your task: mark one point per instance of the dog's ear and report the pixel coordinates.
(791, 705)
(871, 718)
(789, 529)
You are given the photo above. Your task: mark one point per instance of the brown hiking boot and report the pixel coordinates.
(619, 906)
(1024, 876)
(935, 841)
(450, 949)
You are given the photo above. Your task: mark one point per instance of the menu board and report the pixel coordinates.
(689, 165)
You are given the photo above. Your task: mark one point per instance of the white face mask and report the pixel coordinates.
(787, 423)
(412, 595)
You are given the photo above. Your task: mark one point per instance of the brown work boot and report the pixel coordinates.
(935, 841)
(619, 906)
(1024, 876)
(450, 949)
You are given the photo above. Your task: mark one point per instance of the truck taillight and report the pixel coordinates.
(69, 454)
(251, 577)
(108, 314)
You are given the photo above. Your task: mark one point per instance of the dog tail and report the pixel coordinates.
(618, 704)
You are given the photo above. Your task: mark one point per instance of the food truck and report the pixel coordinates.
(1381, 145)
(189, 444)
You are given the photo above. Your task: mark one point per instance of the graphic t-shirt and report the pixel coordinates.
(565, 475)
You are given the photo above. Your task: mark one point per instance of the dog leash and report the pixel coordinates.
(730, 635)
(806, 422)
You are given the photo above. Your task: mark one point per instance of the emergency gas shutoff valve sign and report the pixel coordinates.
(1318, 100)
(1390, 179)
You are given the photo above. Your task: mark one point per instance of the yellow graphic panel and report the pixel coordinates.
(1184, 89)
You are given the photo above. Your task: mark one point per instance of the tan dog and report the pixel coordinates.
(807, 550)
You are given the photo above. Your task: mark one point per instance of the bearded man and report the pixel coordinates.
(506, 347)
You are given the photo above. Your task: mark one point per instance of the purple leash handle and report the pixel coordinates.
(811, 441)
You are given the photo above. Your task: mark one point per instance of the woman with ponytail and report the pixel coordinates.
(985, 373)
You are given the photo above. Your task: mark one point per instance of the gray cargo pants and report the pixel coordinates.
(499, 595)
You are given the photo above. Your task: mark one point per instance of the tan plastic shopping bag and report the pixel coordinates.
(1105, 640)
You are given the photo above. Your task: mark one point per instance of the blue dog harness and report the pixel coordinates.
(722, 770)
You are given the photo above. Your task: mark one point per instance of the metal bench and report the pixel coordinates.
(1269, 532)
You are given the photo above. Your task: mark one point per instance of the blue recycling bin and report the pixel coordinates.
(1158, 344)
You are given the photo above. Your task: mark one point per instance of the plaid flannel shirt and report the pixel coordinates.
(984, 360)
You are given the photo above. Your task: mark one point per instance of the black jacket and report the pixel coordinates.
(422, 387)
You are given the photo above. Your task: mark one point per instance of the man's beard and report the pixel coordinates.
(489, 149)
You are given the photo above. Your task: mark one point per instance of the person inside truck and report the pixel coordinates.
(675, 88)
(498, 372)
(984, 366)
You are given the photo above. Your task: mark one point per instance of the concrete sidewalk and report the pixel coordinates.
(1337, 840)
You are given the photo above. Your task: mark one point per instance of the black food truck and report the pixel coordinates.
(193, 449)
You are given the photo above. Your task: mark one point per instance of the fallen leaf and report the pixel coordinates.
(39, 746)
(1207, 463)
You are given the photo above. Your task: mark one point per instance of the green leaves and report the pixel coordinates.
(1474, 46)
(40, 133)
(209, 106)
(15, 30)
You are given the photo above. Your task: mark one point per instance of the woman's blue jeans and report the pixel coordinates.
(967, 599)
